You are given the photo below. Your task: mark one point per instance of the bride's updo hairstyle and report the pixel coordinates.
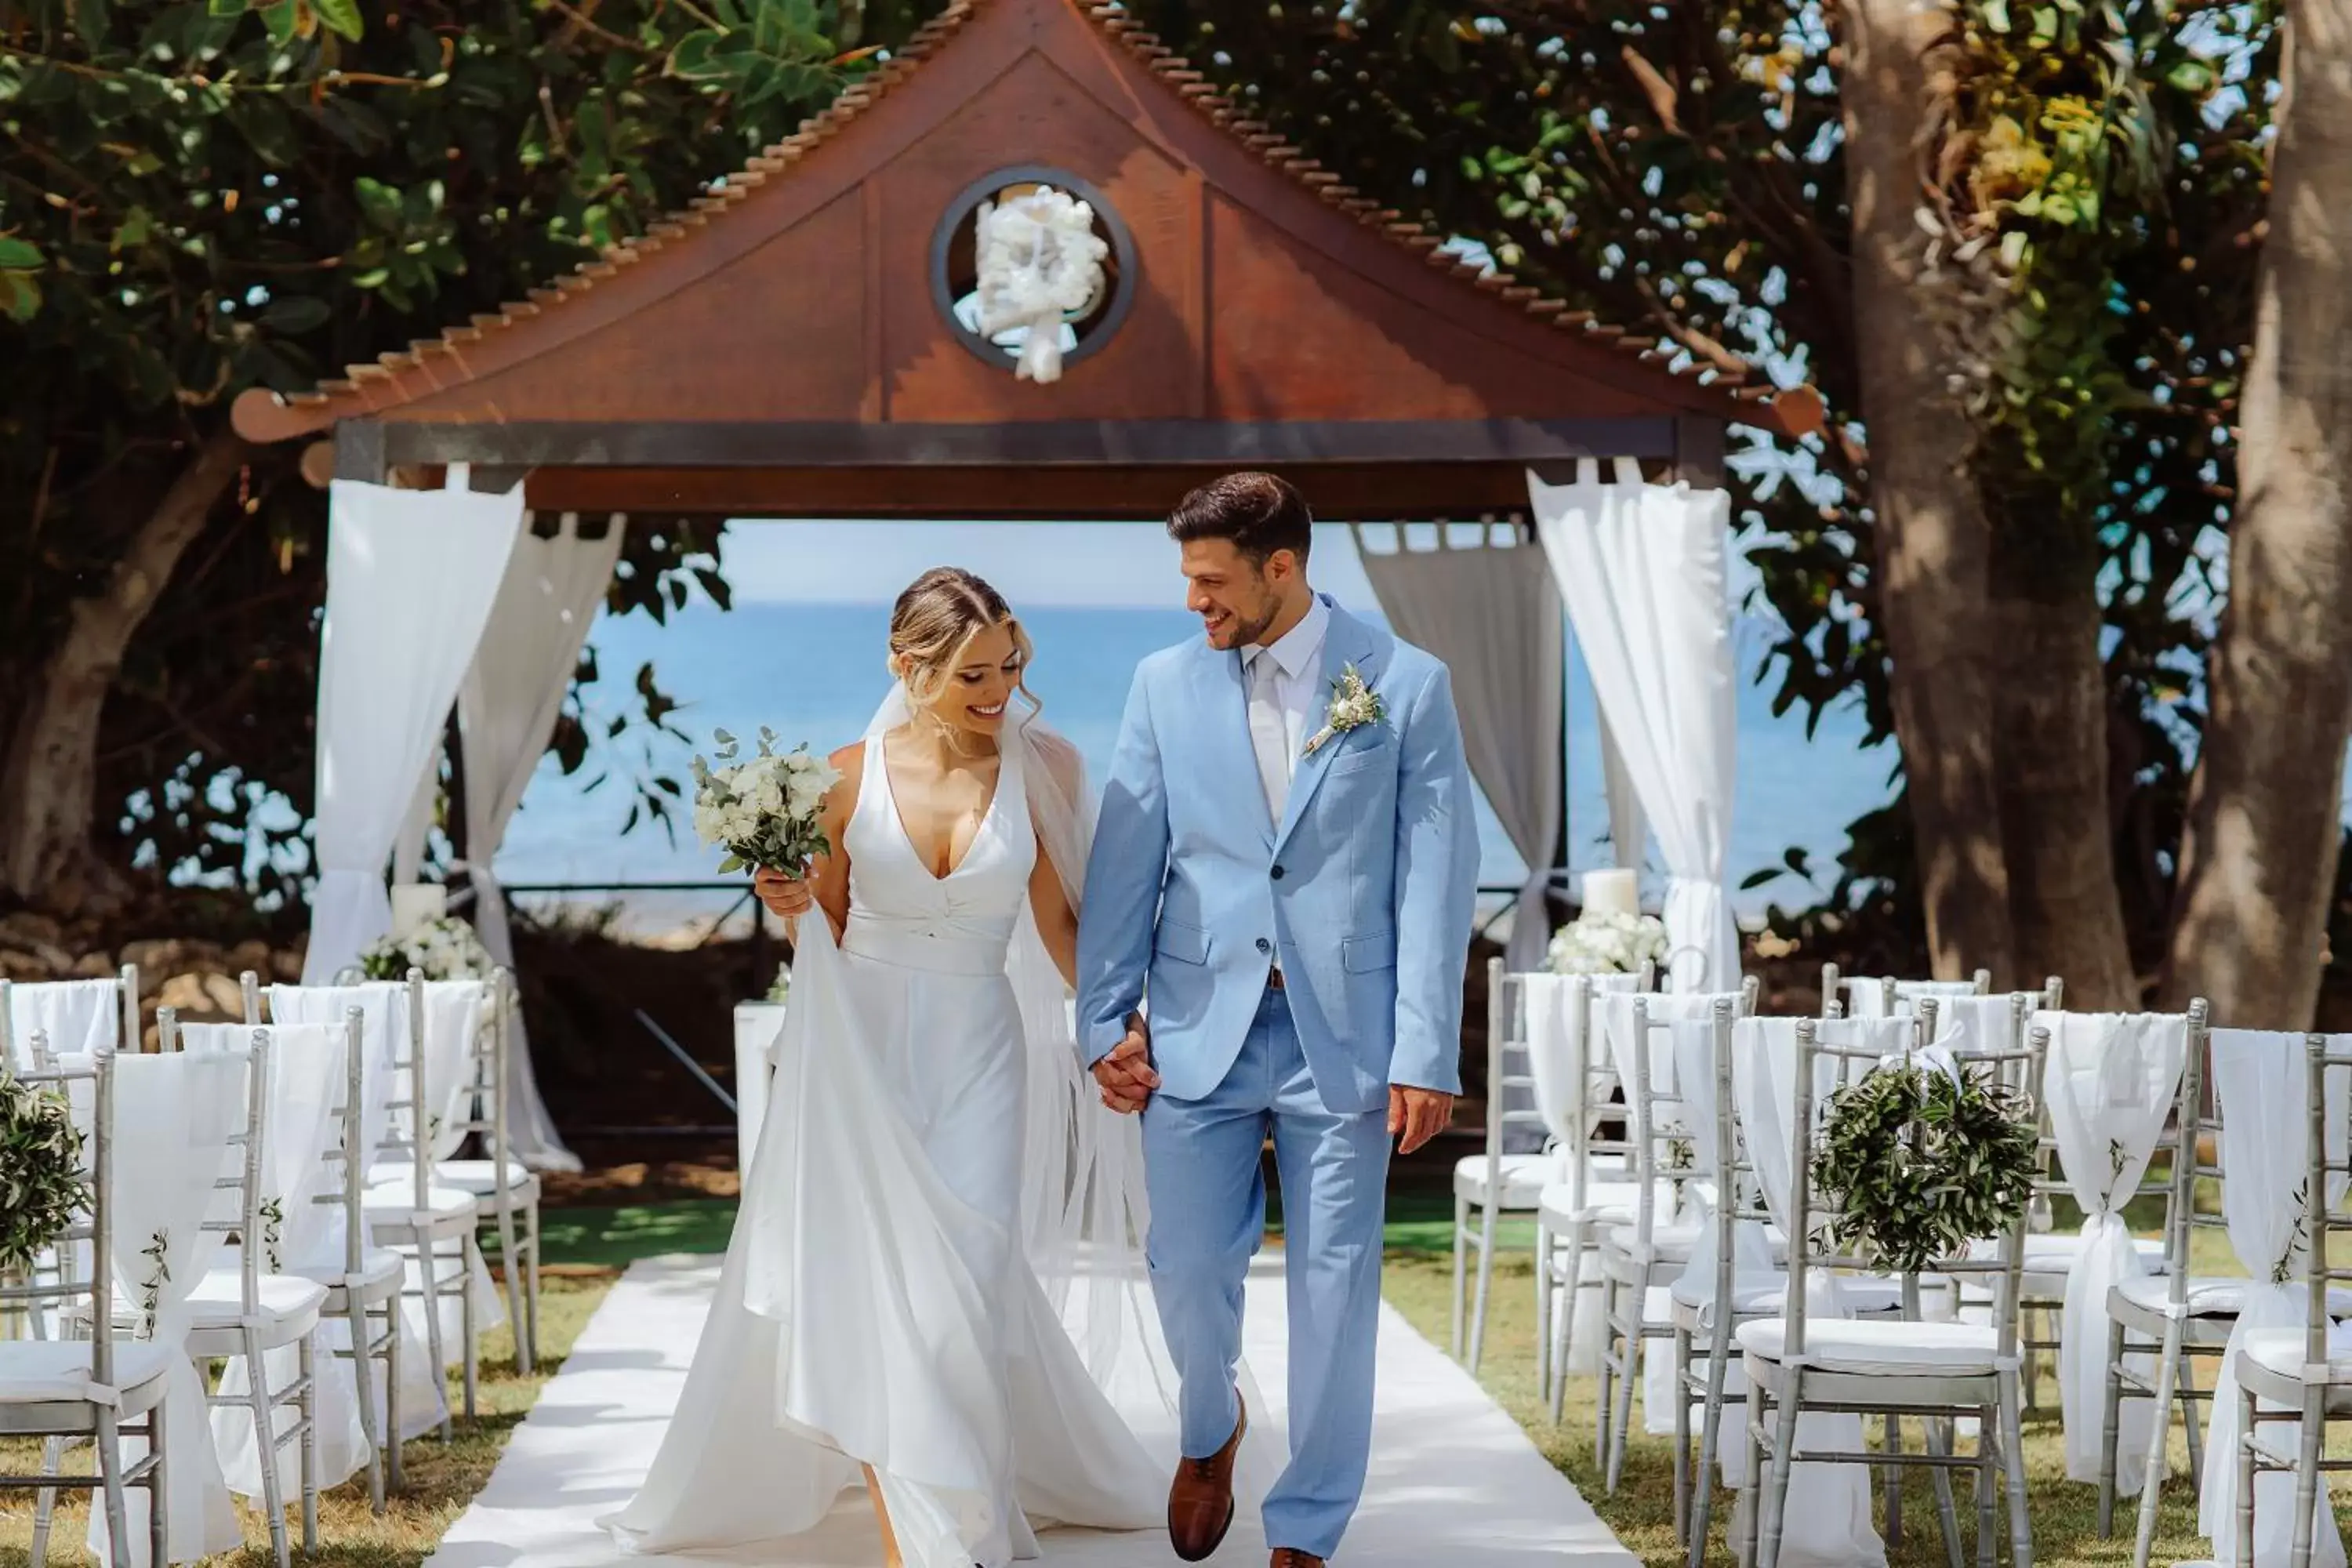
(935, 621)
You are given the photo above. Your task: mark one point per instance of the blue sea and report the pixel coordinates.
(814, 673)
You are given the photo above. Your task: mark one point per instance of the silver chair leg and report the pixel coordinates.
(307, 1409)
(2012, 1454)
(2245, 1457)
(1682, 1437)
(394, 1474)
(2167, 1364)
(2111, 1428)
(363, 1383)
(110, 1471)
(159, 1493)
(1710, 1440)
(1987, 1486)
(1892, 1481)
(45, 1501)
(1939, 1436)
(531, 1288)
(1460, 1275)
(1775, 1499)
(2313, 1429)
(265, 1438)
(1485, 1279)
(469, 1264)
(1544, 1285)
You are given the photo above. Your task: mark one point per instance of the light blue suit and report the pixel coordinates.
(1366, 890)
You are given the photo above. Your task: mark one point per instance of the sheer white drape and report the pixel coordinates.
(411, 577)
(1491, 613)
(507, 709)
(1641, 570)
(1628, 832)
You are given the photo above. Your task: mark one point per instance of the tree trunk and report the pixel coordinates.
(49, 779)
(2050, 716)
(2258, 859)
(1932, 540)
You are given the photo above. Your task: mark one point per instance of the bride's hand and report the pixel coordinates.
(784, 896)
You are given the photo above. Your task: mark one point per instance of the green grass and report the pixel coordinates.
(615, 1237)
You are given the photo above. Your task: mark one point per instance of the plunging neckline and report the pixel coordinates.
(907, 837)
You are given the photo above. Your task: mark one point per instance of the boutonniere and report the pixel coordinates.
(1353, 706)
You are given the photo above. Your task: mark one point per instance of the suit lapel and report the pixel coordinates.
(1345, 643)
(1226, 755)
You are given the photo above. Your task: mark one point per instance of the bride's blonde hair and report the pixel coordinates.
(935, 620)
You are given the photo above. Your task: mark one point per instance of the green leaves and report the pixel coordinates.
(1916, 1163)
(20, 282)
(42, 1190)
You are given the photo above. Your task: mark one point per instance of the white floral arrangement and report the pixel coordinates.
(762, 809)
(1608, 944)
(1040, 265)
(445, 949)
(781, 991)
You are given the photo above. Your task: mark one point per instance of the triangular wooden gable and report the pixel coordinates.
(789, 319)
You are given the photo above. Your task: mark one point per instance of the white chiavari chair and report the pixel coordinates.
(244, 1307)
(1942, 1371)
(101, 1387)
(502, 1184)
(2303, 1374)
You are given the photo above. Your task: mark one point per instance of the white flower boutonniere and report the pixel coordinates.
(1353, 706)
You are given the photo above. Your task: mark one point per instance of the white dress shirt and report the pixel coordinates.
(1297, 657)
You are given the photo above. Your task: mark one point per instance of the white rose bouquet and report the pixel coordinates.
(1608, 944)
(762, 810)
(445, 949)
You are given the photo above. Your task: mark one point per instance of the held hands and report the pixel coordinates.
(1417, 1115)
(1125, 1076)
(784, 896)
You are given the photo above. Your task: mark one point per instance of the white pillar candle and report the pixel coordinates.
(415, 904)
(1614, 891)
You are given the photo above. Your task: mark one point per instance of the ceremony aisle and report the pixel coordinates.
(1452, 1479)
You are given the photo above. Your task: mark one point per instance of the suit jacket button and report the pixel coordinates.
(1277, 873)
(1264, 946)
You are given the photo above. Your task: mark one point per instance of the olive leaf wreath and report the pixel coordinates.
(1920, 1163)
(42, 1187)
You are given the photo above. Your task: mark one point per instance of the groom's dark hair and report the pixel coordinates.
(1261, 513)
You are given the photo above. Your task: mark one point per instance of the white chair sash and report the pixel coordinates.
(1828, 1516)
(454, 1011)
(2261, 1079)
(77, 1015)
(305, 1084)
(2110, 1081)
(384, 1044)
(1560, 1048)
(174, 1118)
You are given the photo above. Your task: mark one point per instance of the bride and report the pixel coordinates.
(940, 1214)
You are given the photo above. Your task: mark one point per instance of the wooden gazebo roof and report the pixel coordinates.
(779, 347)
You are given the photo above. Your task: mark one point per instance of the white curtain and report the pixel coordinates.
(2263, 1081)
(507, 711)
(411, 575)
(1641, 570)
(1490, 612)
(2110, 1081)
(1627, 831)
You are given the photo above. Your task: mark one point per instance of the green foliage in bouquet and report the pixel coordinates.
(762, 809)
(41, 1183)
(1921, 1162)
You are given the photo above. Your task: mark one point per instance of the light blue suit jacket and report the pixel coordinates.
(1366, 888)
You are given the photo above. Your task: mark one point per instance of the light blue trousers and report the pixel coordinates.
(1207, 1189)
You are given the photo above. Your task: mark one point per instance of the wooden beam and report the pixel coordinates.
(1111, 493)
(1698, 451)
(360, 452)
(1027, 444)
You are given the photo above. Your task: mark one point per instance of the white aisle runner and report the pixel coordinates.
(1454, 1480)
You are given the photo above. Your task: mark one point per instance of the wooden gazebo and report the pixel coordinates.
(792, 344)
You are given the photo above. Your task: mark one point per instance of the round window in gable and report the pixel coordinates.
(1032, 271)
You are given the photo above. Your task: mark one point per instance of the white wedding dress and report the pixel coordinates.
(931, 1151)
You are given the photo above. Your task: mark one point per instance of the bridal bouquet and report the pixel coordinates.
(445, 949)
(1608, 944)
(762, 809)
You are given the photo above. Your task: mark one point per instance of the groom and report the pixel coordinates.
(1282, 876)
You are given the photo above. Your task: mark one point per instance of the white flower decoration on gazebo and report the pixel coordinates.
(1040, 265)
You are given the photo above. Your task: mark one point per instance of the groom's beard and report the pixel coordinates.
(1250, 632)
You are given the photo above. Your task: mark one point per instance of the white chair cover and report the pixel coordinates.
(383, 1038)
(1693, 1043)
(454, 1010)
(305, 1084)
(1559, 1054)
(1641, 568)
(1672, 1119)
(2110, 1080)
(1828, 1518)
(1866, 998)
(2261, 1079)
(174, 1118)
(77, 1015)
(1972, 1025)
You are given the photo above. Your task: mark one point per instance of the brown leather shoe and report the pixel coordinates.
(1291, 1557)
(1201, 1500)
